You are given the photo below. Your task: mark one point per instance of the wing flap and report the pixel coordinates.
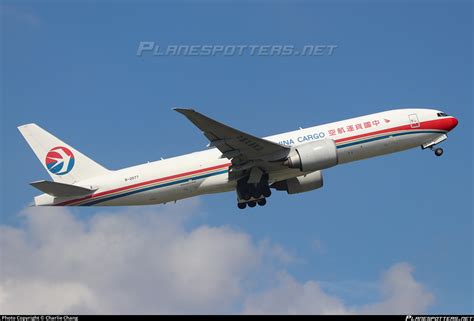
(61, 190)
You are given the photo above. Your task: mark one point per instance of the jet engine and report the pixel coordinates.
(313, 156)
(300, 184)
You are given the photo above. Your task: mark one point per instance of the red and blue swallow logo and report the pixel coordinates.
(59, 160)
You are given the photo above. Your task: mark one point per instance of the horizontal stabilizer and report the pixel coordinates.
(61, 190)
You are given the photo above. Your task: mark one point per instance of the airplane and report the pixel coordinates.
(234, 160)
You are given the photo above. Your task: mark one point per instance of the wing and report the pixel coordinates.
(245, 150)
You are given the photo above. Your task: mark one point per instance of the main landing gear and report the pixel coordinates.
(252, 195)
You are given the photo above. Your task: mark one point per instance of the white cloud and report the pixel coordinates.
(39, 296)
(401, 293)
(145, 260)
(291, 297)
(140, 262)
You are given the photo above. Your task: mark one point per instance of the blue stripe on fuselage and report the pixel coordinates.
(154, 187)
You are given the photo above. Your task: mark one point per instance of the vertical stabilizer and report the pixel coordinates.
(63, 163)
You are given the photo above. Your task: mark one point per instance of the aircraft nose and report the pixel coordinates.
(453, 122)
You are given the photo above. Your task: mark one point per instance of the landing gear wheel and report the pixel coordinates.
(438, 151)
(241, 205)
(251, 204)
(266, 191)
(262, 202)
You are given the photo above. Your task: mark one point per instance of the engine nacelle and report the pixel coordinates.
(300, 184)
(313, 156)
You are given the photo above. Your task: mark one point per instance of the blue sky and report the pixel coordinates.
(73, 69)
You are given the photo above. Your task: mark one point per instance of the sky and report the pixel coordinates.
(391, 234)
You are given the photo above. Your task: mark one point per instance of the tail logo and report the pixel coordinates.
(59, 160)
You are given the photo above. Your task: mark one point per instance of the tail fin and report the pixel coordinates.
(63, 163)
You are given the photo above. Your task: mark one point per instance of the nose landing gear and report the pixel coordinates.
(431, 145)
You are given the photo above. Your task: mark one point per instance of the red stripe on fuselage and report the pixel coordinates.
(437, 124)
(144, 183)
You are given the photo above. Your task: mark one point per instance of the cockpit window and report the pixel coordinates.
(442, 115)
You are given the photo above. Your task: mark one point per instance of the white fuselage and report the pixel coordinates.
(205, 172)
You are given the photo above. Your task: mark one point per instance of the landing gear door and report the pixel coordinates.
(414, 122)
